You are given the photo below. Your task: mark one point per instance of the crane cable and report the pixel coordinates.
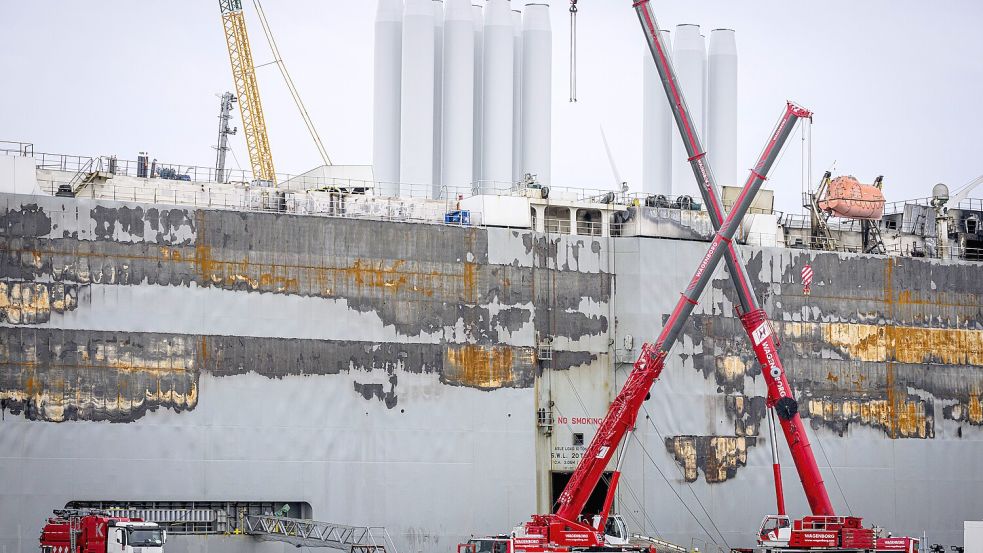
(833, 472)
(583, 406)
(573, 50)
(626, 486)
(696, 497)
(278, 59)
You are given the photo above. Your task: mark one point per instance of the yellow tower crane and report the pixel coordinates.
(244, 75)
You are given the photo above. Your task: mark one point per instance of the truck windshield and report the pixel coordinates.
(145, 537)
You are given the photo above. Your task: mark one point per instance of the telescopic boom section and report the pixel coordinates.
(754, 319)
(624, 409)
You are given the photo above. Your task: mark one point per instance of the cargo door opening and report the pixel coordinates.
(558, 481)
(974, 250)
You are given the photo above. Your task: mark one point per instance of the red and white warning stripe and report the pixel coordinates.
(807, 275)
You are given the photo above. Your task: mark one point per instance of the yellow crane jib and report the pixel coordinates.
(244, 75)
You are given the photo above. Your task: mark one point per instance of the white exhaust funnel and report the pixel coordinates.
(537, 95)
(516, 95)
(496, 124)
(657, 128)
(386, 94)
(458, 116)
(722, 106)
(478, 15)
(688, 55)
(417, 100)
(703, 131)
(438, 88)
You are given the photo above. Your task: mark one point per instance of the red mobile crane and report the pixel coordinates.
(563, 530)
(823, 529)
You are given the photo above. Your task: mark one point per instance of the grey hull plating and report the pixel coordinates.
(390, 374)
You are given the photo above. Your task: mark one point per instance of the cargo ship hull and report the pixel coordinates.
(440, 380)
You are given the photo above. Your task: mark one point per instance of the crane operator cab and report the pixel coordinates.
(776, 531)
(615, 530)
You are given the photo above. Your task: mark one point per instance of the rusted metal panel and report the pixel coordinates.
(241, 334)
(884, 359)
(488, 367)
(426, 297)
(423, 281)
(718, 457)
(24, 303)
(56, 375)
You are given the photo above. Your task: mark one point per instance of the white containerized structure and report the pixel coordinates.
(385, 123)
(537, 60)
(496, 124)
(722, 106)
(438, 90)
(452, 75)
(516, 94)
(417, 100)
(688, 53)
(478, 12)
(657, 129)
(709, 83)
(457, 152)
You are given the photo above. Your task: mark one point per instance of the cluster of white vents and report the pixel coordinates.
(463, 96)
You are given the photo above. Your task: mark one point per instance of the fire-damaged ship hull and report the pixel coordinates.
(440, 380)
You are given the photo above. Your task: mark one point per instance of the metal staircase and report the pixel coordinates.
(89, 173)
(871, 235)
(311, 533)
(822, 236)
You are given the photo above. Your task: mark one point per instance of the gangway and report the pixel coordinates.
(312, 533)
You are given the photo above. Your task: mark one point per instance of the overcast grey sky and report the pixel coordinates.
(895, 84)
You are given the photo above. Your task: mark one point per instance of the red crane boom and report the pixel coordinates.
(624, 409)
(563, 529)
(823, 529)
(566, 530)
(754, 319)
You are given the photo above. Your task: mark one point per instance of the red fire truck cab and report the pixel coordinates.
(72, 531)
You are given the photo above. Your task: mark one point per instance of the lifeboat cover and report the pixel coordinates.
(848, 198)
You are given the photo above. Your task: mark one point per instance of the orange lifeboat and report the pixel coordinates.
(846, 197)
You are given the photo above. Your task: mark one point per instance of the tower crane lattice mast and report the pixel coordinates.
(247, 89)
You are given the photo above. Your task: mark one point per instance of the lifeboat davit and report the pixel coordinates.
(846, 197)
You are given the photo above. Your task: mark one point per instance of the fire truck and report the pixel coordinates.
(567, 528)
(94, 531)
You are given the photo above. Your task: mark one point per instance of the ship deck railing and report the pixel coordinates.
(332, 197)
